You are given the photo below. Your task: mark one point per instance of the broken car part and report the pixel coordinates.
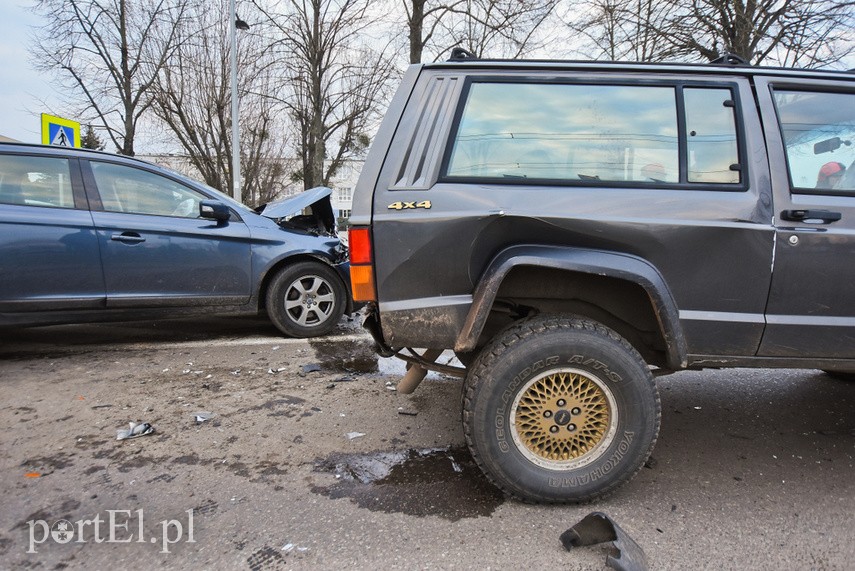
(597, 527)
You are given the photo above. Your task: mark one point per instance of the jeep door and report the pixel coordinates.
(811, 130)
(155, 248)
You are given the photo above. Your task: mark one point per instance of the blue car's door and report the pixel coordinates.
(49, 258)
(157, 251)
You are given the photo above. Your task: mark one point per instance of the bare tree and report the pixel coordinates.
(192, 97)
(334, 82)
(109, 52)
(819, 39)
(807, 33)
(423, 21)
(499, 28)
(634, 30)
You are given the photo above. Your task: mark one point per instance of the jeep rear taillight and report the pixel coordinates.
(361, 264)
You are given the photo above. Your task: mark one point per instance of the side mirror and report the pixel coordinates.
(213, 210)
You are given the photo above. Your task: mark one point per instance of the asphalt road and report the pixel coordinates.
(310, 461)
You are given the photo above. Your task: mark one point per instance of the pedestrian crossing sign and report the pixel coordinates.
(60, 132)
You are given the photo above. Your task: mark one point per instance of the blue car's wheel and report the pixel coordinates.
(306, 299)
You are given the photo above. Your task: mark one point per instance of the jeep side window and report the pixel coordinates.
(619, 134)
(819, 135)
(711, 135)
(567, 132)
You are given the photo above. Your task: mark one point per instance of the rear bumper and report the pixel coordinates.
(372, 324)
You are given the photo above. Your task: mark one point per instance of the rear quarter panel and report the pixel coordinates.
(713, 248)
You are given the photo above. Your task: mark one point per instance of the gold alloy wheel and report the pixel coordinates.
(560, 417)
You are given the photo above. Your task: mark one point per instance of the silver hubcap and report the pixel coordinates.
(309, 301)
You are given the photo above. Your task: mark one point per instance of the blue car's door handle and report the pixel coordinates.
(127, 237)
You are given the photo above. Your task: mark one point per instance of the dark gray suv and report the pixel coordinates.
(571, 230)
(88, 236)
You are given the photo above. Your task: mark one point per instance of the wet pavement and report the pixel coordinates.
(311, 460)
(441, 482)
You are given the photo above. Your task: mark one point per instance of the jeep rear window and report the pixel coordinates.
(711, 135)
(819, 136)
(616, 134)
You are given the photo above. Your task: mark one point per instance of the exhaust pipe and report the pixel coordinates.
(417, 373)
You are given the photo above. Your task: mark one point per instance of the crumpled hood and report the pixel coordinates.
(318, 198)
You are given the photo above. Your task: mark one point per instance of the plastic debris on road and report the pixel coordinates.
(354, 435)
(202, 416)
(134, 430)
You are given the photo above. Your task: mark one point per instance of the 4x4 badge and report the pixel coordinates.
(408, 205)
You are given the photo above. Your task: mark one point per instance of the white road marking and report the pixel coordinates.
(251, 341)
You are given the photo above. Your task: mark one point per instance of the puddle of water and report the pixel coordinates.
(397, 367)
(442, 482)
(346, 356)
(359, 357)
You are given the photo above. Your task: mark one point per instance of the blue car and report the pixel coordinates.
(88, 236)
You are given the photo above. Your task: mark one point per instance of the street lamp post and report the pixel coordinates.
(235, 24)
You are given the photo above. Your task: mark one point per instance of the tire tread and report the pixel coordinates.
(509, 338)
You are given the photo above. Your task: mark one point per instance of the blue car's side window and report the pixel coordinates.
(135, 191)
(35, 181)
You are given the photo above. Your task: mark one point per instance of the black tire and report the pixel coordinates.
(466, 358)
(306, 299)
(848, 376)
(572, 374)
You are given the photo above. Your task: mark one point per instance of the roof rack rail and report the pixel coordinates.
(728, 58)
(459, 54)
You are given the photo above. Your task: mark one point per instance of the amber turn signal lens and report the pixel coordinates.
(362, 283)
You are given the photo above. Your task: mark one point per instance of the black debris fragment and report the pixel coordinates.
(597, 527)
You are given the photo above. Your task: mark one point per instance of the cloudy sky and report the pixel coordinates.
(24, 93)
